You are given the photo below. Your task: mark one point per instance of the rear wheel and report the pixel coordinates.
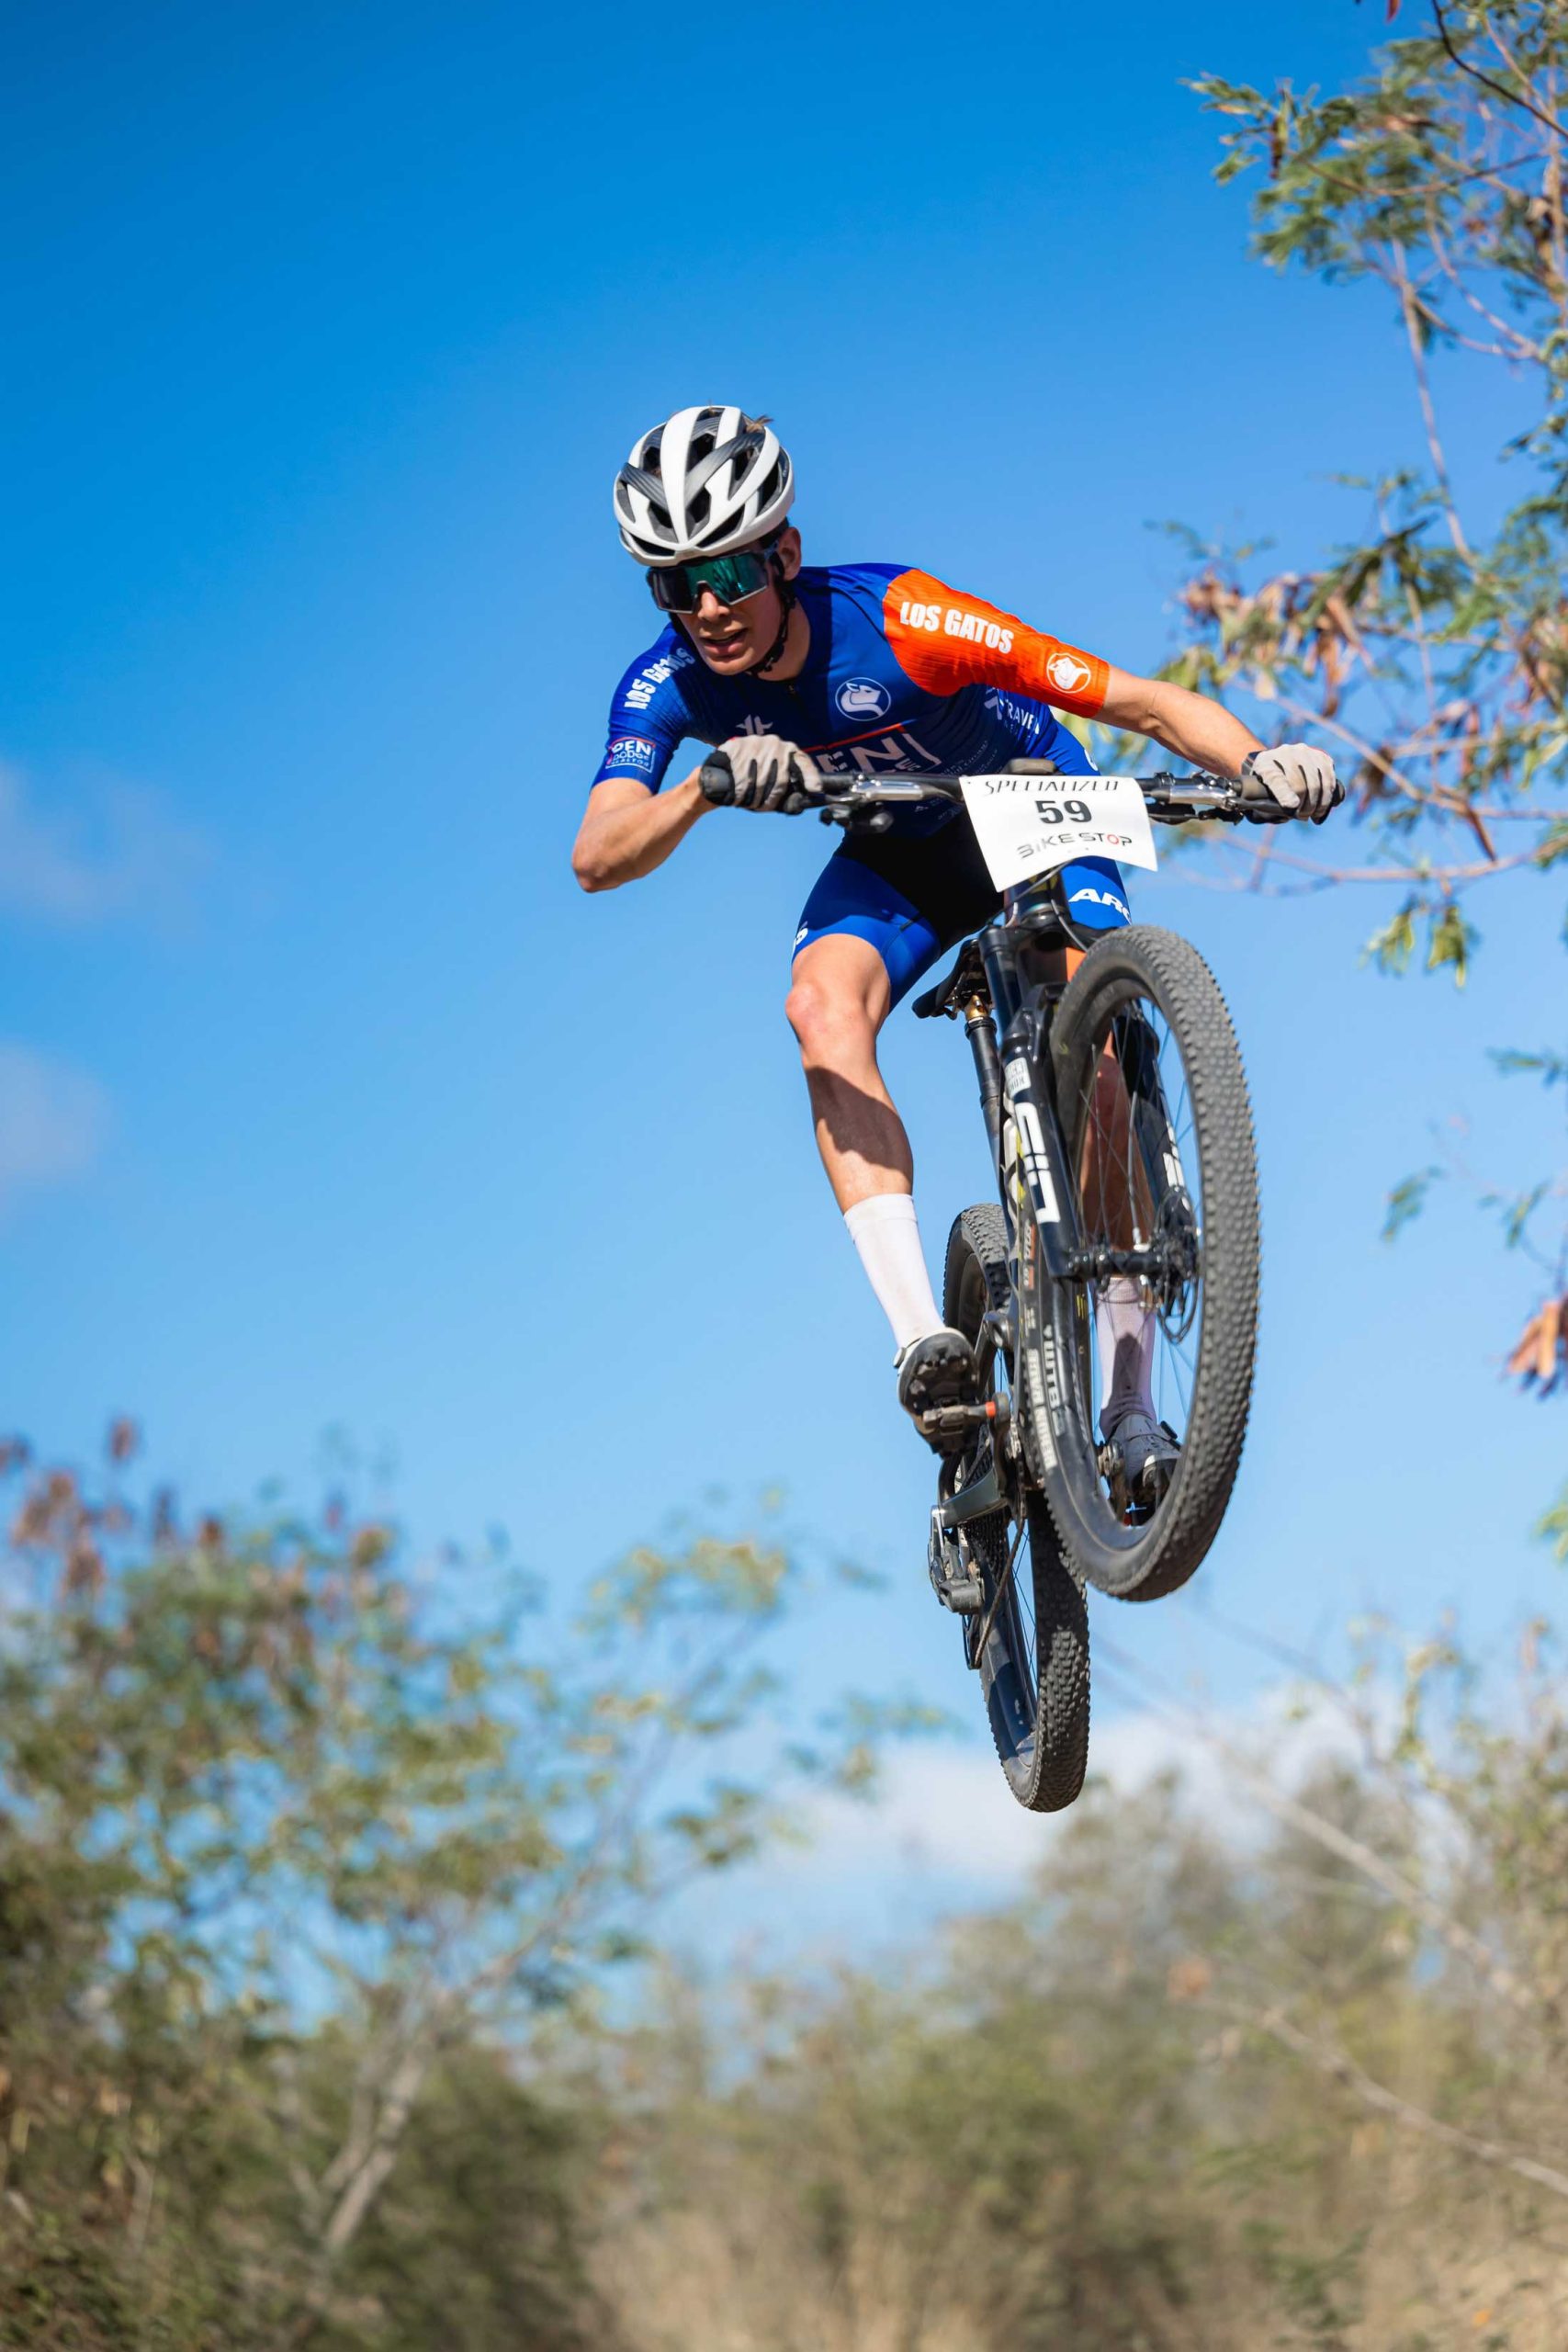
(1030, 1638)
(1157, 1129)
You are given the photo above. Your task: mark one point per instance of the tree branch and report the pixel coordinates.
(1429, 413)
(1393, 1882)
(1514, 97)
(1342, 2068)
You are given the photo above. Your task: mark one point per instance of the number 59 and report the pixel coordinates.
(1070, 812)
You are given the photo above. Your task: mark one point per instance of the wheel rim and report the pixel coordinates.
(1137, 1175)
(998, 1543)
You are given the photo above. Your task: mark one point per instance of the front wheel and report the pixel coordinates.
(1029, 1639)
(1154, 1114)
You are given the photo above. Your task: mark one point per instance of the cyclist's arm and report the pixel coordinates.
(630, 825)
(1191, 725)
(945, 639)
(626, 830)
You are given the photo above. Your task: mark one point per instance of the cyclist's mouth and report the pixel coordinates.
(723, 646)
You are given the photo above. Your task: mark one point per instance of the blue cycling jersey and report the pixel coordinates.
(878, 692)
(902, 674)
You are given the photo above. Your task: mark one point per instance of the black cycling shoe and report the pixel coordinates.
(1144, 1454)
(934, 1371)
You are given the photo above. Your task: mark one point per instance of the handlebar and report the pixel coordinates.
(866, 803)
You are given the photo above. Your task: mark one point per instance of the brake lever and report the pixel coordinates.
(856, 821)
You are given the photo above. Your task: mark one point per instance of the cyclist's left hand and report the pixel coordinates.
(771, 774)
(1299, 776)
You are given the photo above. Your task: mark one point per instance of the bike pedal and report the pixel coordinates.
(948, 1420)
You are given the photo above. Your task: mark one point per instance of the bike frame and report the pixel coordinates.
(1007, 1021)
(1006, 1038)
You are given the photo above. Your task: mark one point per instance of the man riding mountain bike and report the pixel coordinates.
(799, 674)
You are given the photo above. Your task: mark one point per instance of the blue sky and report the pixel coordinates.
(327, 1098)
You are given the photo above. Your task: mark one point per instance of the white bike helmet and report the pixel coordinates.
(705, 480)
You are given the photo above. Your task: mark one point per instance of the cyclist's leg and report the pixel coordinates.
(840, 996)
(880, 915)
(862, 944)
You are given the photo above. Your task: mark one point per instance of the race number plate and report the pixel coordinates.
(1027, 824)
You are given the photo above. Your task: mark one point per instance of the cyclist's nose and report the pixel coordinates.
(708, 606)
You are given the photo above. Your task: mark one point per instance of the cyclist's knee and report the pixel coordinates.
(832, 1023)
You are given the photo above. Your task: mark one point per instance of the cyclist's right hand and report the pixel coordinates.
(762, 772)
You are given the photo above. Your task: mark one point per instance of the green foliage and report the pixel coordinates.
(1190, 2087)
(1451, 940)
(1316, 2290)
(1407, 1200)
(1550, 1069)
(1553, 1525)
(1430, 653)
(1391, 947)
(292, 1853)
(481, 2238)
(304, 1890)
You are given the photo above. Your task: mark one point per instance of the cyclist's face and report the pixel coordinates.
(731, 637)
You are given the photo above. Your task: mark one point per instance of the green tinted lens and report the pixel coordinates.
(677, 586)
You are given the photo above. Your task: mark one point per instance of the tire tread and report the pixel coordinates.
(1185, 1527)
(1055, 1774)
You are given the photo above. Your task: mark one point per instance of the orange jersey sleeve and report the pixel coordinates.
(943, 641)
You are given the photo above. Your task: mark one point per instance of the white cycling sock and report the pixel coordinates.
(887, 1236)
(1124, 1332)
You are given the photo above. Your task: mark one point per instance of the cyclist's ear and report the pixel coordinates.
(788, 550)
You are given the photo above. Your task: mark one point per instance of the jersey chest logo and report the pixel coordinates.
(863, 698)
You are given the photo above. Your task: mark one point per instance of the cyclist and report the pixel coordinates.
(798, 674)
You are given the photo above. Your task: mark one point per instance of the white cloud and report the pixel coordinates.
(944, 1835)
(944, 1812)
(53, 1121)
(117, 850)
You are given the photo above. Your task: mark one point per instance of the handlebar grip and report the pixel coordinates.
(1258, 804)
(716, 781)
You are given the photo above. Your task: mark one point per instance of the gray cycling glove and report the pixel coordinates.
(1299, 776)
(766, 773)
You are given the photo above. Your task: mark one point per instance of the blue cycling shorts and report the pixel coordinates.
(915, 896)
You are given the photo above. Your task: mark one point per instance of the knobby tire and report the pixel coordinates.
(1144, 963)
(1037, 1698)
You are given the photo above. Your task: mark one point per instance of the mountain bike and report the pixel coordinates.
(1120, 1137)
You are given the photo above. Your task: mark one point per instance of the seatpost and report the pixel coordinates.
(980, 1030)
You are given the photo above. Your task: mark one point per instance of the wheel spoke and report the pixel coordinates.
(1139, 1178)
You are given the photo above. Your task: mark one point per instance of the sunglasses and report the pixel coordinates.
(677, 587)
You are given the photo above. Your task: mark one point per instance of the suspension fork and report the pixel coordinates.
(1038, 1139)
(981, 1032)
(1025, 997)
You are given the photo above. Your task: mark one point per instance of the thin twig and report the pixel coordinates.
(1514, 97)
(1343, 2068)
(1429, 413)
(1394, 1883)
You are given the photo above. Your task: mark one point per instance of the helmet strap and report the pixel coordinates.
(786, 608)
